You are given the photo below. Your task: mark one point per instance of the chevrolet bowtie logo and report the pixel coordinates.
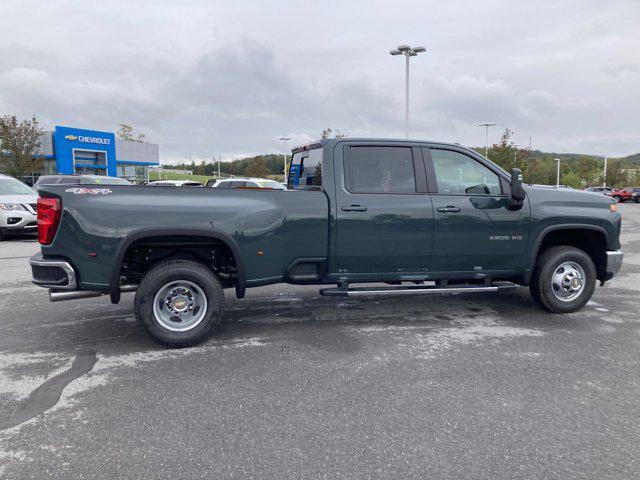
(71, 137)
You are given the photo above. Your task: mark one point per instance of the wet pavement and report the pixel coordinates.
(295, 385)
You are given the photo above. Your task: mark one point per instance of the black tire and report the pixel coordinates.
(547, 264)
(179, 270)
(2, 235)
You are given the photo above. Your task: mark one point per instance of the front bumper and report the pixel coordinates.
(18, 221)
(52, 273)
(614, 262)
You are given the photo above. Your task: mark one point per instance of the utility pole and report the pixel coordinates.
(604, 180)
(284, 141)
(486, 126)
(557, 172)
(218, 169)
(408, 52)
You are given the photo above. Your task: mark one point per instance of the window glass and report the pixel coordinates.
(457, 173)
(271, 184)
(70, 180)
(305, 171)
(381, 170)
(11, 186)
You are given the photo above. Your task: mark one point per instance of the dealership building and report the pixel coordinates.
(77, 150)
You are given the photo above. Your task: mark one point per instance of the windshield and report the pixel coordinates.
(10, 186)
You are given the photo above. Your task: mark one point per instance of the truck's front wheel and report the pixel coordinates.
(179, 302)
(563, 280)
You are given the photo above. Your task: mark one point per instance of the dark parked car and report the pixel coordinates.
(635, 194)
(439, 217)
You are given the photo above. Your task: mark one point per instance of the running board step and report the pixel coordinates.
(416, 289)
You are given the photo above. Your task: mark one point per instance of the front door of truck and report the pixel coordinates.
(384, 218)
(476, 228)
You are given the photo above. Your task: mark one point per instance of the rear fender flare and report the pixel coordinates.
(127, 240)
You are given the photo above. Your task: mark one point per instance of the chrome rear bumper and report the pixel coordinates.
(50, 273)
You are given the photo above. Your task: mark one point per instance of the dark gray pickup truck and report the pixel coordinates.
(416, 217)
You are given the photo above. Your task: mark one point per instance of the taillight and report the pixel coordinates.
(48, 219)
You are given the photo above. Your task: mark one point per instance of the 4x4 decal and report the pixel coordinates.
(91, 191)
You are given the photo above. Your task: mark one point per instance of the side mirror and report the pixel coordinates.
(517, 192)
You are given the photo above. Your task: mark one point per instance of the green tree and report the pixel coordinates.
(20, 140)
(615, 175)
(504, 153)
(256, 168)
(126, 133)
(571, 178)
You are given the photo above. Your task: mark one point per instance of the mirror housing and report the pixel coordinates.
(517, 192)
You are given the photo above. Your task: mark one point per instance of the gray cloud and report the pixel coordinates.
(226, 79)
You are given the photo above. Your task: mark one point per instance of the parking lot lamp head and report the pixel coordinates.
(486, 126)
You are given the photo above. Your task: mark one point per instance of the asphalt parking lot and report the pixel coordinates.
(299, 386)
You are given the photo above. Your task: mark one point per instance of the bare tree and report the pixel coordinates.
(126, 133)
(326, 133)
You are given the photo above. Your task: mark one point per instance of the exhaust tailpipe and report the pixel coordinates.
(60, 296)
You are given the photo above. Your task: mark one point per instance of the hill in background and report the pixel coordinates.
(577, 170)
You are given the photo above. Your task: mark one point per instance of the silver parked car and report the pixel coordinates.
(18, 204)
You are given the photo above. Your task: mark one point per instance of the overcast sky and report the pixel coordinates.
(227, 78)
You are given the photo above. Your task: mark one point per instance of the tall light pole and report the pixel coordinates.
(557, 172)
(284, 141)
(408, 52)
(604, 178)
(486, 126)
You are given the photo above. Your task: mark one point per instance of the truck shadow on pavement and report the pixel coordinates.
(327, 324)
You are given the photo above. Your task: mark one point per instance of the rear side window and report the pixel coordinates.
(380, 170)
(47, 180)
(305, 171)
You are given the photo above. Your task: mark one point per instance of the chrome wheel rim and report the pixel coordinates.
(180, 305)
(568, 281)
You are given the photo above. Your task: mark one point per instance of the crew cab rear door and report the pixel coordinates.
(384, 217)
(477, 230)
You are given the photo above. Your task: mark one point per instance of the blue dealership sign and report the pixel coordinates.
(66, 140)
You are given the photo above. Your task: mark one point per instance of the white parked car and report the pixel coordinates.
(18, 204)
(248, 182)
(174, 183)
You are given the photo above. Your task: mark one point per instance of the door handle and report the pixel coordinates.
(449, 209)
(353, 208)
